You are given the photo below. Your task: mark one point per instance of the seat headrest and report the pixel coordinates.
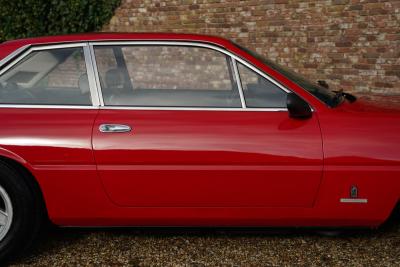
(114, 78)
(84, 84)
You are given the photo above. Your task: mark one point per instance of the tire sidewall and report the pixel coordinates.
(22, 204)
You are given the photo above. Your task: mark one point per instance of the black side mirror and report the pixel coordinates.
(297, 107)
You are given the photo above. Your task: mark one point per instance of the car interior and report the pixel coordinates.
(117, 91)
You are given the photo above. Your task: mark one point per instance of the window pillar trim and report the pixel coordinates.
(91, 77)
(239, 82)
(95, 87)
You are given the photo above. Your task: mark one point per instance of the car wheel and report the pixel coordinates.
(21, 212)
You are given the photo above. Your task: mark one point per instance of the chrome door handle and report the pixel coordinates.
(114, 128)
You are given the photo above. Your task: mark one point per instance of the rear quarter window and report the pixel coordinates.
(48, 77)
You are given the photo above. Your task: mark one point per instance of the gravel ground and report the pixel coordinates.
(188, 247)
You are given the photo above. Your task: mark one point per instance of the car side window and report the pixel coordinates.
(47, 77)
(260, 92)
(166, 76)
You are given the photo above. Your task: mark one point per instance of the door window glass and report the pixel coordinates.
(166, 76)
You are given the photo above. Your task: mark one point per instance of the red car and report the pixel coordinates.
(182, 130)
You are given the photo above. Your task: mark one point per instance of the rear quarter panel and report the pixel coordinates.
(55, 145)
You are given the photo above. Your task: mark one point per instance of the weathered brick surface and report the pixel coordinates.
(352, 44)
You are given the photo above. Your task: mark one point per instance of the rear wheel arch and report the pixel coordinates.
(28, 177)
(25, 208)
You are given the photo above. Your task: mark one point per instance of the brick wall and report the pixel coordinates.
(352, 44)
(158, 67)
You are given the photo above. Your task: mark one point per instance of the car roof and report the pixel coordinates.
(8, 47)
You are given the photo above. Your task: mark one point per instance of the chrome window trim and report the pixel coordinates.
(94, 80)
(90, 71)
(195, 44)
(233, 57)
(46, 106)
(139, 108)
(13, 54)
(239, 82)
(191, 108)
(96, 75)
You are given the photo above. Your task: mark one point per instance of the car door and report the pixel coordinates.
(175, 131)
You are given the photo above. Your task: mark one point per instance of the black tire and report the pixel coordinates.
(28, 212)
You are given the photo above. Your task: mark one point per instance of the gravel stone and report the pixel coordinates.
(215, 247)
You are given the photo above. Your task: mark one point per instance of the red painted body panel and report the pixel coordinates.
(208, 168)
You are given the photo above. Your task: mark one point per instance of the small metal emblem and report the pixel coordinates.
(354, 197)
(353, 191)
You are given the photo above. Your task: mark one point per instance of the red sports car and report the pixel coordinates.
(182, 130)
